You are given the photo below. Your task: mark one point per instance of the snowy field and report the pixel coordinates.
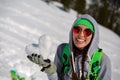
(22, 22)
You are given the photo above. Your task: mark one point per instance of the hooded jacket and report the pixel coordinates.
(105, 70)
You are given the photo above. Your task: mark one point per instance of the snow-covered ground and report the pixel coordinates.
(22, 22)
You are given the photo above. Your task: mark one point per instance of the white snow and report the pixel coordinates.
(22, 22)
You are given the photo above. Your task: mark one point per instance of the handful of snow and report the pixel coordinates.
(43, 47)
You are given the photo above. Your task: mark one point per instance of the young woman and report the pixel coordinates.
(74, 60)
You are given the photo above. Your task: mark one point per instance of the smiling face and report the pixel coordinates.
(81, 36)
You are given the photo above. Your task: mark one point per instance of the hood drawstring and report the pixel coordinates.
(74, 74)
(77, 52)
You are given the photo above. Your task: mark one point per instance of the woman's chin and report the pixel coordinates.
(80, 46)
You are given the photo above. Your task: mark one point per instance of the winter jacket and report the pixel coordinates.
(105, 70)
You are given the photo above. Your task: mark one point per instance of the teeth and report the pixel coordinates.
(80, 40)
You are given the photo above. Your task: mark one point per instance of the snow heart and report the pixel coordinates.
(43, 46)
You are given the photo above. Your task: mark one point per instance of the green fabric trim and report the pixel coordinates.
(85, 22)
(94, 63)
(65, 58)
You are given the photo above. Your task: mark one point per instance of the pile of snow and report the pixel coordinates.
(23, 22)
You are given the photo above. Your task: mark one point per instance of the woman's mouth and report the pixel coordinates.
(80, 40)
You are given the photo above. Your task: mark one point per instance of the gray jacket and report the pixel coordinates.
(105, 70)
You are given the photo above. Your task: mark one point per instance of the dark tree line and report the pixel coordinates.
(106, 12)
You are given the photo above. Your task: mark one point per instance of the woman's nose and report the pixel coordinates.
(81, 33)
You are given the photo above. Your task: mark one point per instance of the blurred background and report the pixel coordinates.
(106, 12)
(22, 22)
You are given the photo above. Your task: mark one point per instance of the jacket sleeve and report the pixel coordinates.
(58, 61)
(105, 71)
(52, 76)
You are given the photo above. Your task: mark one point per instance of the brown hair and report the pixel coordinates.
(84, 57)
